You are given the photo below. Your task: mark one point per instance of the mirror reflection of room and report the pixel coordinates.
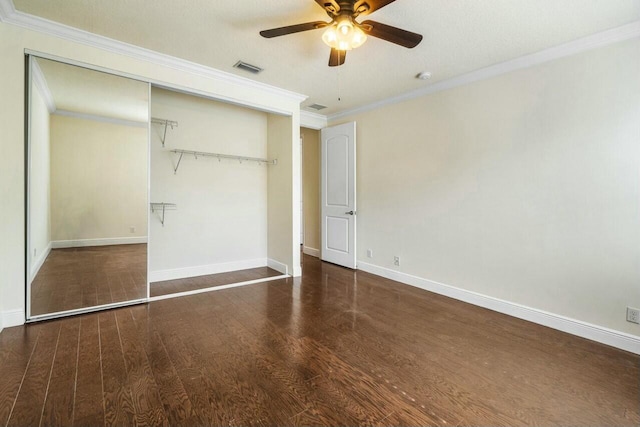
(88, 188)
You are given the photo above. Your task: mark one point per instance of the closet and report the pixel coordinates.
(138, 191)
(209, 194)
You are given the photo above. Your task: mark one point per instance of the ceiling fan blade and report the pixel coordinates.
(365, 7)
(331, 6)
(283, 31)
(391, 34)
(337, 57)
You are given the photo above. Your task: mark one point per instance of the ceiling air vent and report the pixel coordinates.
(248, 67)
(317, 107)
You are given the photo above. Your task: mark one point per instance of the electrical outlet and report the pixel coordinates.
(369, 253)
(396, 260)
(633, 315)
(132, 229)
(35, 252)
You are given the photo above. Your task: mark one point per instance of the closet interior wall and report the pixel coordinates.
(220, 220)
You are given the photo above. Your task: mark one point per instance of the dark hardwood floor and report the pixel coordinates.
(84, 277)
(333, 348)
(168, 287)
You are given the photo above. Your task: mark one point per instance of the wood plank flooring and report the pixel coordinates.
(333, 348)
(210, 281)
(75, 278)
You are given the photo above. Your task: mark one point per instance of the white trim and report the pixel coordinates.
(148, 189)
(81, 243)
(43, 87)
(55, 29)
(11, 318)
(312, 120)
(604, 38)
(65, 313)
(104, 119)
(278, 266)
(216, 288)
(6, 10)
(311, 251)
(40, 261)
(582, 329)
(203, 270)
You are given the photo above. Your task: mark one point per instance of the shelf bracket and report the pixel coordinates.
(175, 170)
(166, 123)
(163, 207)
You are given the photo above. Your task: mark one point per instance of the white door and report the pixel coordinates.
(338, 200)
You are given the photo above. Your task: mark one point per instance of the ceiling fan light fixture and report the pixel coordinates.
(344, 35)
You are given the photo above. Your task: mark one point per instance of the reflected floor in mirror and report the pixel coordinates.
(74, 278)
(168, 287)
(334, 347)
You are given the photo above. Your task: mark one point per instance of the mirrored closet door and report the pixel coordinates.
(88, 186)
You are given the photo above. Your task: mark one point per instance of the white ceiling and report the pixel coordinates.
(79, 90)
(460, 36)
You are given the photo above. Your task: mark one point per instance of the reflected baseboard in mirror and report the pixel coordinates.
(75, 278)
(88, 189)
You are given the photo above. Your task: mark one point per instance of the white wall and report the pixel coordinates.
(221, 218)
(13, 41)
(98, 180)
(40, 232)
(523, 187)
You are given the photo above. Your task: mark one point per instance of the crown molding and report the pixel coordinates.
(604, 38)
(43, 87)
(103, 119)
(312, 120)
(6, 9)
(9, 15)
(41, 84)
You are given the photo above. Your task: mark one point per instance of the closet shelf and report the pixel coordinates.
(166, 123)
(219, 156)
(162, 207)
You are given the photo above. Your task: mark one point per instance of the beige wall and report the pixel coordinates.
(222, 206)
(13, 42)
(39, 181)
(98, 179)
(283, 194)
(523, 187)
(311, 187)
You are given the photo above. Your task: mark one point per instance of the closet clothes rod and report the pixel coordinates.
(166, 123)
(219, 156)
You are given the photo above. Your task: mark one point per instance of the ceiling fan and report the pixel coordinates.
(344, 33)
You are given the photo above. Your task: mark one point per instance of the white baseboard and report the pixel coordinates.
(203, 270)
(37, 265)
(277, 266)
(81, 243)
(311, 251)
(582, 329)
(11, 318)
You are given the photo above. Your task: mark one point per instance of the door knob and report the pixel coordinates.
(350, 213)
